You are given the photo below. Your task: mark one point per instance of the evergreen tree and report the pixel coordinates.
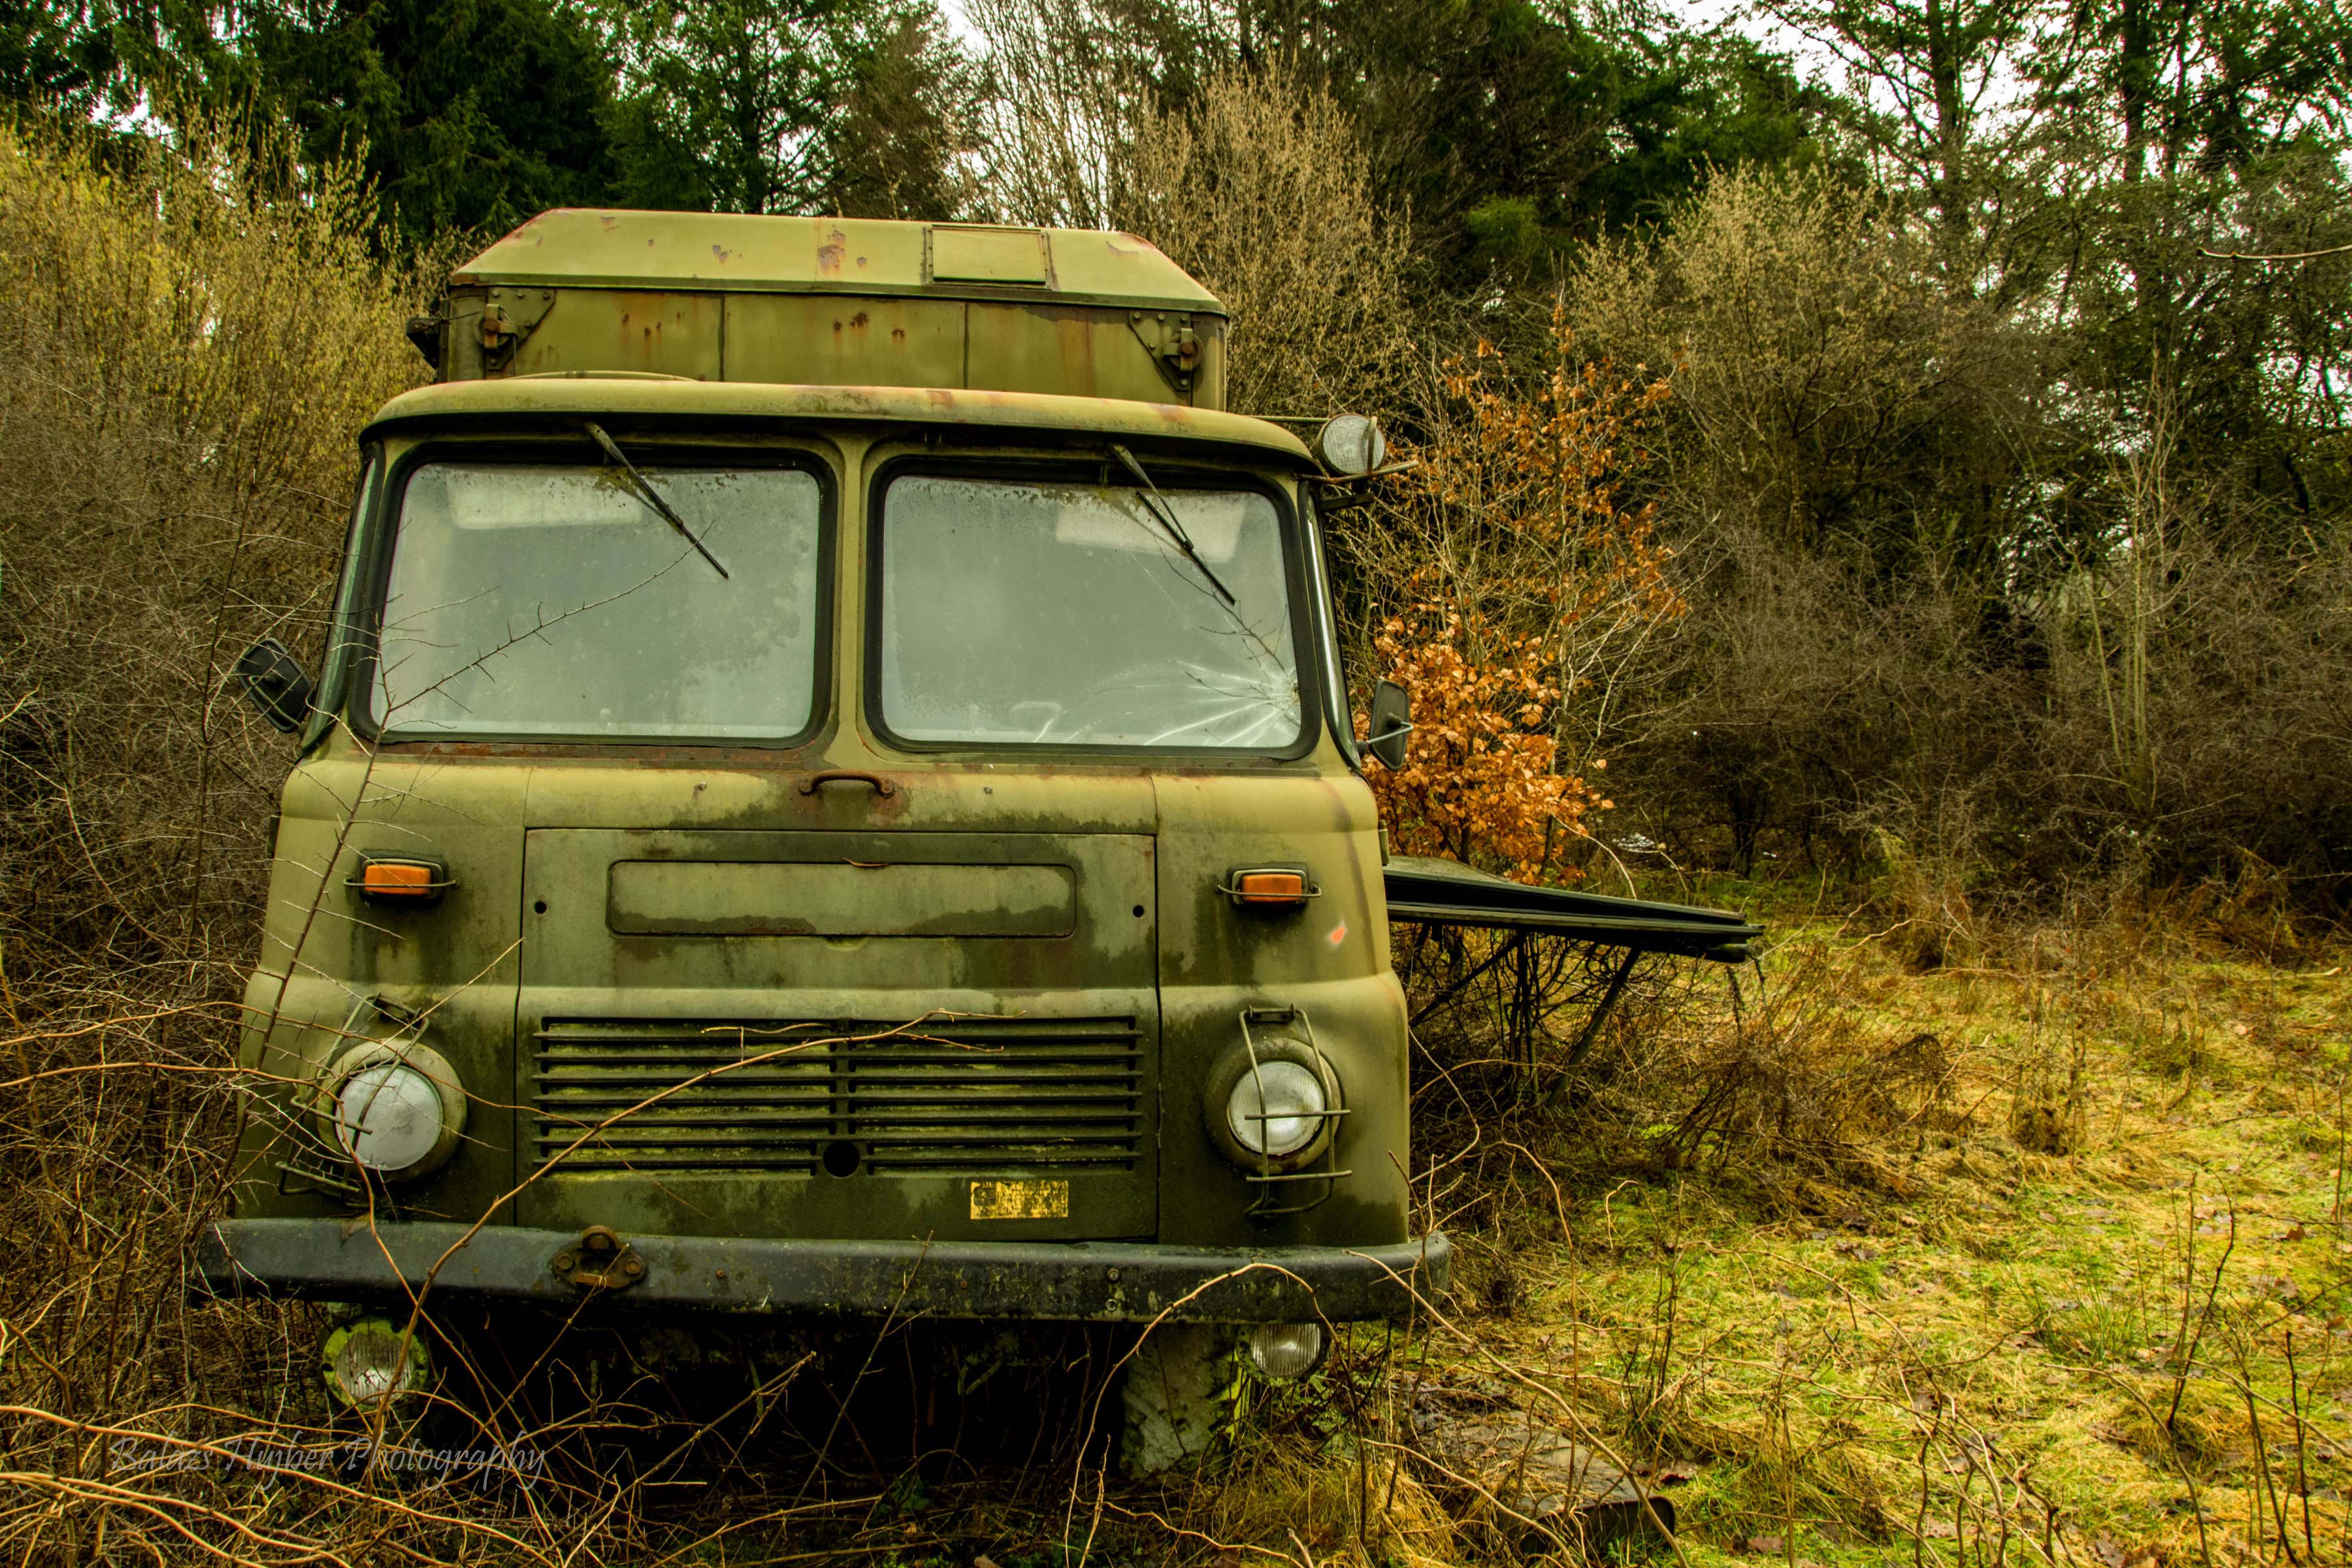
(53, 57)
(104, 61)
(779, 105)
(472, 114)
(899, 151)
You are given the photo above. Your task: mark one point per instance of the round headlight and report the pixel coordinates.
(389, 1116)
(1272, 1103)
(397, 1110)
(1276, 1109)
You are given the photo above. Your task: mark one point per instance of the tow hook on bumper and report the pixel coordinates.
(600, 1260)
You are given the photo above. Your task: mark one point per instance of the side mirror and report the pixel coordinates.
(1392, 722)
(275, 684)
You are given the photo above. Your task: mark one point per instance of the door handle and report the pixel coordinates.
(814, 782)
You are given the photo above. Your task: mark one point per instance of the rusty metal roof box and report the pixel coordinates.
(583, 248)
(833, 302)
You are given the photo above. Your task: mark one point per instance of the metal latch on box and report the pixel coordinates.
(1175, 348)
(509, 316)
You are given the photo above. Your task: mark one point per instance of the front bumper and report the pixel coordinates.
(1076, 1281)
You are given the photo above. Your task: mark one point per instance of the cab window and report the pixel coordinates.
(1018, 612)
(551, 600)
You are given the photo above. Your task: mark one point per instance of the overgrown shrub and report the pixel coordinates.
(1261, 189)
(194, 335)
(1502, 579)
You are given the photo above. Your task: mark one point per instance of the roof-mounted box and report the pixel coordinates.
(831, 302)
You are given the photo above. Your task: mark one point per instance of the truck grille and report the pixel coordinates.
(963, 1097)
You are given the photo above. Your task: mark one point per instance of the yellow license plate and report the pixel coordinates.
(1021, 1200)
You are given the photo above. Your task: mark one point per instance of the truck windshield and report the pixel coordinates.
(541, 600)
(1047, 613)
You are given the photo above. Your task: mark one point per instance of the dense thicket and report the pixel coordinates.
(2010, 470)
(196, 340)
(1999, 477)
(194, 337)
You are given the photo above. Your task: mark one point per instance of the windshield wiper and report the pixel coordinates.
(1157, 505)
(653, 497)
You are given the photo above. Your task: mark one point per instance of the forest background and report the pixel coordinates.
(1900, 448)
(1922, 468)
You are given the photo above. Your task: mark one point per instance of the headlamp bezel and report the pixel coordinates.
(416, 1056)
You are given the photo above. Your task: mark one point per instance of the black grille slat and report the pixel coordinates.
(712, 1077)
(964, 1134)
(554, 1117)
(976, 1096)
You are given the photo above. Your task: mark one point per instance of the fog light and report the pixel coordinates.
(397, 1110)
(1285, 1351)
(1278, 1107)
(370, 1358)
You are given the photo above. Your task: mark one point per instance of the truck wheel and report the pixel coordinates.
(1171, 1396)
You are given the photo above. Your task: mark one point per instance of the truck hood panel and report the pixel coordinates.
(839, 1035)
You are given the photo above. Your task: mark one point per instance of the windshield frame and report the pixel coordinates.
(1334, 685)
(343, 648)
(1172, 477)
(652, 454)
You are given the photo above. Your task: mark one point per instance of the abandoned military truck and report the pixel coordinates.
(830, 792)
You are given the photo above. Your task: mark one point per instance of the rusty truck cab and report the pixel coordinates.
(830, 791)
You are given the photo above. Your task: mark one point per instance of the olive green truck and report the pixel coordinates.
(831, 792)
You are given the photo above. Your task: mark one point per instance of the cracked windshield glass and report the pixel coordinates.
(1069, 615)
(543, 600)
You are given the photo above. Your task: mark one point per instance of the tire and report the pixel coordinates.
(1172, 1397)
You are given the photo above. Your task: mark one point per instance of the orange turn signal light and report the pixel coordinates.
(401, 882)
(1270, 888)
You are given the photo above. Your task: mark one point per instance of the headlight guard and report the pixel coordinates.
(1276, 1077)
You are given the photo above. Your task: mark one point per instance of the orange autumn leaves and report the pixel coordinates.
(1478, 782)
(1528, 584)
